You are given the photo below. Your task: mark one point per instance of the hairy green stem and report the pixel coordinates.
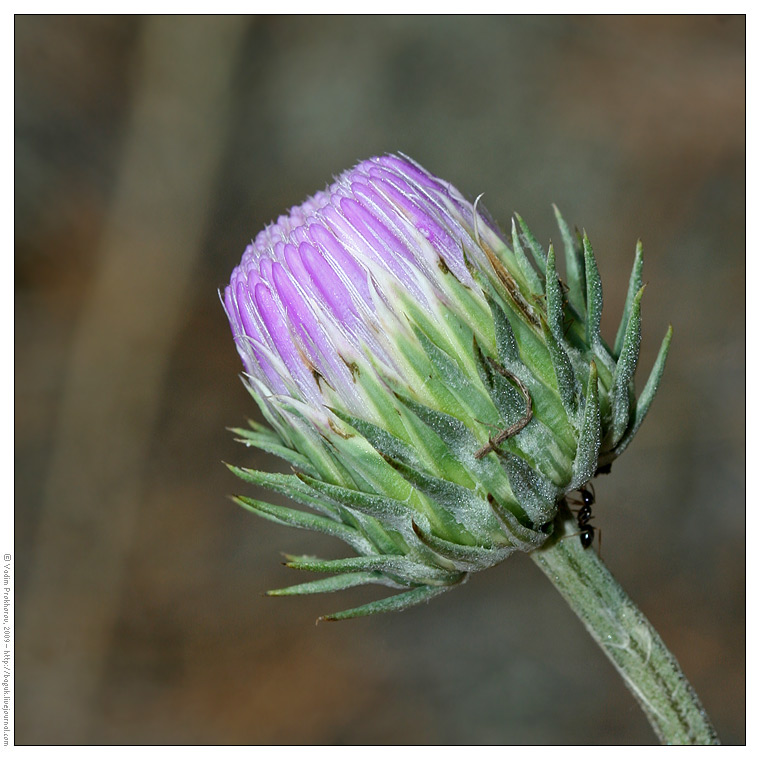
(649, 670)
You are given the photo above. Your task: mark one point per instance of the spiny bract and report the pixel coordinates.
(435, 392)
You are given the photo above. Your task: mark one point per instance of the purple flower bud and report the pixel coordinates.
(436, 394)
(304, 299)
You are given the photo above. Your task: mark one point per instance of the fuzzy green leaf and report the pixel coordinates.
(388, 510)
(297, 488)
(634, 286)
(397, 567)
(464, 558)
(621, 392)
(509, 402)
(381, 440)
(535, 247)
(378, 394)
(289, 485)
(506, 345)
(466, 391)
(468, 307)
(453, 432)
(463, 504)
(574, 264)
(535, 494)
(555, 312)
(366, 466)
(590, 438)
(272, 445)
(428, 382)
(335, 583)
(300, 519)
(524, 538)
(528, 271)
(461, 444)
(594, 296)
(567, 384)
(391, 603)
(647, 395)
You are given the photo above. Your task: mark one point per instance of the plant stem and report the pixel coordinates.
(649, 670)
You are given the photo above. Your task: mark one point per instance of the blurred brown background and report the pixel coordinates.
(148, 152)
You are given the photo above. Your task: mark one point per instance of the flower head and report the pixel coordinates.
(436, 393)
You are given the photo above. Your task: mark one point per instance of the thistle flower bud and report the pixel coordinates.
(435, 392)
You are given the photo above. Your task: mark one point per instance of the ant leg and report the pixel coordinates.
(519, 425)
(572, 535)
(580, 533)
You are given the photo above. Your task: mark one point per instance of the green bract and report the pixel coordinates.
(436, 390)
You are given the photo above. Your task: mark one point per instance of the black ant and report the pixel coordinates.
(584, 515)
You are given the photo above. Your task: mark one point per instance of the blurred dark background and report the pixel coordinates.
(148, 152)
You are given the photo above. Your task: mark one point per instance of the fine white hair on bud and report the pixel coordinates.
(435, 386)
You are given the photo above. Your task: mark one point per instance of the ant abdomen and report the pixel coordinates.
(584, 515)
